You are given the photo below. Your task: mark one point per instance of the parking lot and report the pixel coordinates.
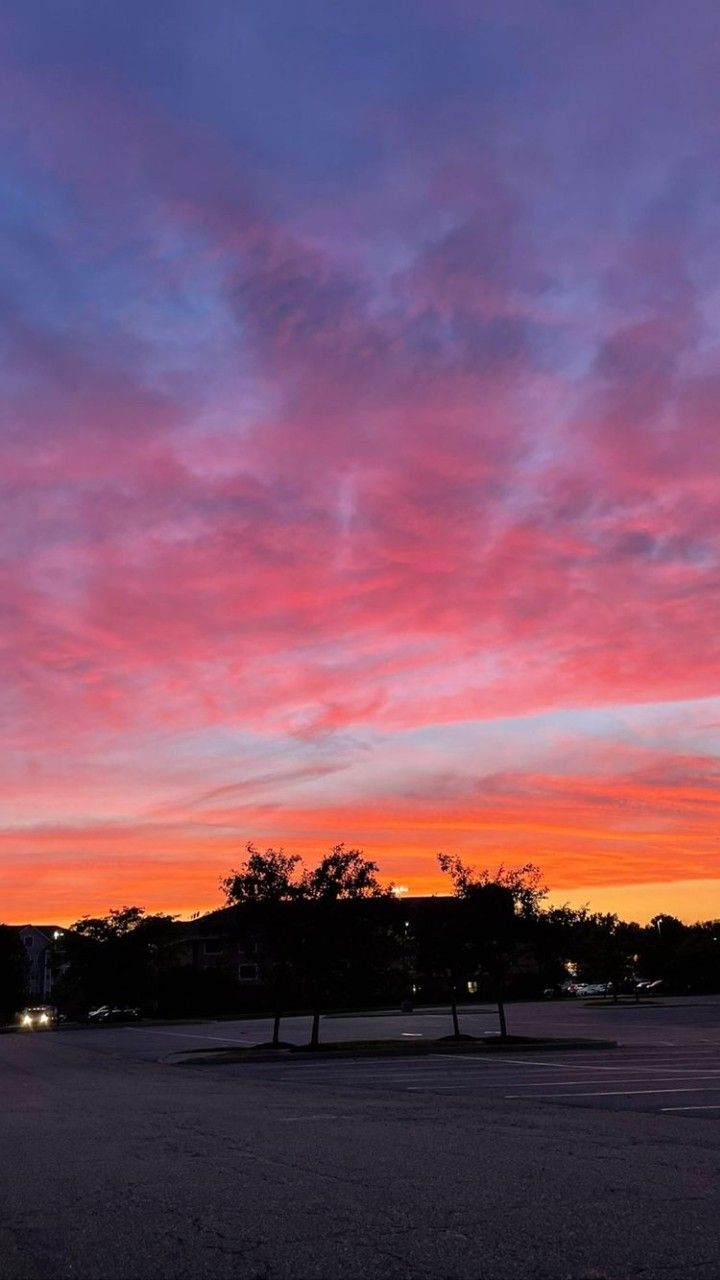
(583, 1165)
(668, 1059)
(644, 1080)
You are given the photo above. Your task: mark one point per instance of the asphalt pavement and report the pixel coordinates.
(590, 1165)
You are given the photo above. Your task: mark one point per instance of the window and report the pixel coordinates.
(248, 973)
(28, 940)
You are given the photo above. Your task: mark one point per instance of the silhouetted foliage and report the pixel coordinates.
(112, 959)
(339, 931)
(13, 973)
(332, 935)
(310, 929)
(263, 888)
(495, 917)
(264, 878)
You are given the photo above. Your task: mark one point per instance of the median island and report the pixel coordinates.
(384, 1049)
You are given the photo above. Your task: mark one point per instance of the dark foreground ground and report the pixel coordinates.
(594, 1164)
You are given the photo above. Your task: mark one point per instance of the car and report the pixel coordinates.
(38, 1017)
(584, 989)
(648, 985)
(114, 1013)
(559, 992)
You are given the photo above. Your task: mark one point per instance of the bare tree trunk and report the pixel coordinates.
(315, 1035)
(501, 1012)
(453, 1007)
(276, 1029)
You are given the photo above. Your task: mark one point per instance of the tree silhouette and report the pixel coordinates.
(13, 972)
(339, 921)
(311, 923)
(496, 914)
(266, 889)
(113, 958)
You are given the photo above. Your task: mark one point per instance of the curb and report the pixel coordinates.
(206, 1057)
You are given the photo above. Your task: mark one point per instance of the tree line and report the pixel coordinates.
(334, 936)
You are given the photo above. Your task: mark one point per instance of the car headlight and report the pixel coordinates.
(27, 1020)
(44, 1017)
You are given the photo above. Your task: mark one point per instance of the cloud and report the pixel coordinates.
(404, 423)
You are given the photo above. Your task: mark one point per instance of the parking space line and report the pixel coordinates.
(523, 1062)
(322, 1116)
(479, 1077)
(487, 1078)
(564, 1084)
(413, 1083)
(698, 1106)
(180, 1035)
(607, 1093)
(633, 1065)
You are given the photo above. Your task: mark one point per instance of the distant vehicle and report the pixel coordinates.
(585, 989)
(593, 989)
(38, 1017)
(648, 984)
(114, 1013)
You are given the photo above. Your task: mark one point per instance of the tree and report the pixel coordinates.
(525, 884)
(112, 958)
(605, 949)
(13, 972)
(263, 888)
(311, 923)
(696, 959)
(263, 878)
(116, 924)
(342, 875)
(556, 943)
(339, 898)
(442, 952)
(496, 911)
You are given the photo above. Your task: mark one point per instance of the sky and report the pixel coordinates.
(359, 450)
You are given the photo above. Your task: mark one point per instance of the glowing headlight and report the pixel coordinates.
(44, 1017)
(27, 1020)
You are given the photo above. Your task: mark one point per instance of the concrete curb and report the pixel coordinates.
(206, 1057)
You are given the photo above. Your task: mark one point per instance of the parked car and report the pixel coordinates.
(648, 985)
(560, 992)
(38, 1017)
(114, 1013)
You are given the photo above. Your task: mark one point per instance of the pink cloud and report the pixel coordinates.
(462, 466)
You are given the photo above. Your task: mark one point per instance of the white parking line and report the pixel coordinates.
(182, 1035)
(329, 1073)
(564, 1066)
(500, 1061)
(606, 1093)
(541, 1084)
(697, 1106)
(423, 1082)
(322, 1116)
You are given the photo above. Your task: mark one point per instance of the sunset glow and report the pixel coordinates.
(360, 458)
